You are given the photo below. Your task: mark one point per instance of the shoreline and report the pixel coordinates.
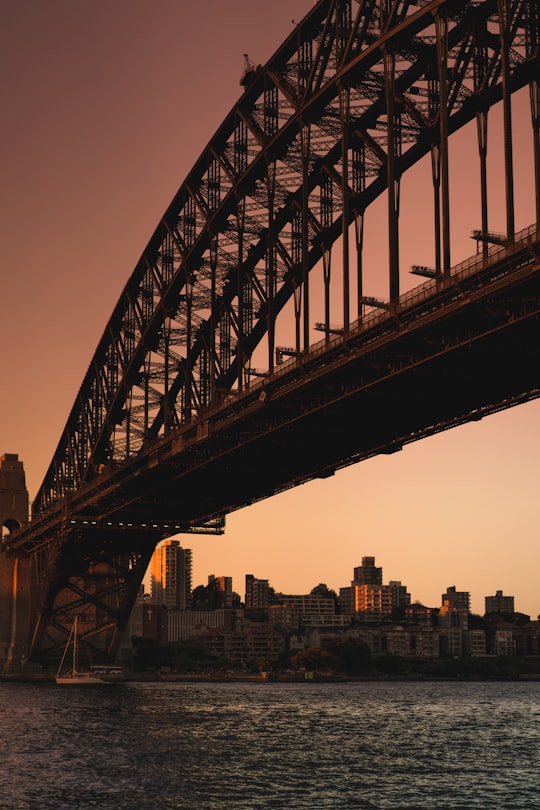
(136, 677)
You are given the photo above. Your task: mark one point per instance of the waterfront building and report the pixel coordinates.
(474, 643)
(395, 641)
(528, 639)
(303, 641)
(425, 642)
(504, 642)
(417, 642)
(245, 643)
(451, 642)
(171, 575)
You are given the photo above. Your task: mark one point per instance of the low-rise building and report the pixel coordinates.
(184, 623)
(424, 642)
(474, 643)
(309, 610)
(527, 640)
(451, 642)
(244, 643)
(421, 615)
(504, 642)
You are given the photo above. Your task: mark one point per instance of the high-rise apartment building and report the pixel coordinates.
(372, 602)
(455, 608)
(400, 595)
(257, 593)
(456, 600)
(171, 575)
(499, 603)
(367, 573)
(368, 597)
(224, 585)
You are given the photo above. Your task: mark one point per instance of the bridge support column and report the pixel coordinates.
(15, 572)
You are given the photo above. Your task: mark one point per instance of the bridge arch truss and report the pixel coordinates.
(261, 252)
(359, 92)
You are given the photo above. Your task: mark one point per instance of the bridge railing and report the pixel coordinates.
(409, 300)
(469, 267)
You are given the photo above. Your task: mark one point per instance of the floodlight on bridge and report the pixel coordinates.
(284, 351)
(392, 448)
(421, 270)
(329, 330)
(370, 301)
(490, 238)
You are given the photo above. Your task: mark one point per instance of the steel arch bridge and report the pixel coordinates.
(215, 384)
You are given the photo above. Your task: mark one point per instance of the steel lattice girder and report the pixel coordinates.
(237, 241)
(170, 420)
(94, 574)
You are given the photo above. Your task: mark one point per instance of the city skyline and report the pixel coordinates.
(93, 151)
(240, 591)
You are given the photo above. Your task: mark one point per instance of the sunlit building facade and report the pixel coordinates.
(367, 598)
(171, 575)
(457, 600)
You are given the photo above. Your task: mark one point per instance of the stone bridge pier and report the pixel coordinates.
(15, 572)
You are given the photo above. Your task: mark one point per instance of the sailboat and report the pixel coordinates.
(75, 676)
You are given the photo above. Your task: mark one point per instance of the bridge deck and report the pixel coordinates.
(452, 350)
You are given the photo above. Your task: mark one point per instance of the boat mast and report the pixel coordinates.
(75, 645)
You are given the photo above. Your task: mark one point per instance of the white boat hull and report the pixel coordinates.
(73, 676)
(79, 679)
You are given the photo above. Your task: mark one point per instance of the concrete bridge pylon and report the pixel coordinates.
(15, 571)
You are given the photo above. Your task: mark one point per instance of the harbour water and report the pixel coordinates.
(256, 746)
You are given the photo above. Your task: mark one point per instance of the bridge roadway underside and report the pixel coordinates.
(468, 349)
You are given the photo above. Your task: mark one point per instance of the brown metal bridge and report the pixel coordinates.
(245, 355)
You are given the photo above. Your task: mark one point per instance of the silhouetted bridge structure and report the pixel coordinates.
(247, 354)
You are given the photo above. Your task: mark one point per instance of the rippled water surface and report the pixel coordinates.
(258, 746)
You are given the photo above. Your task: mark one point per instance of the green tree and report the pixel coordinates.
(210, 597)
(313, 658)
(323, 590)
(353, 656)
(188, 656)
(207, 597)
(149, 655)
(390, 664)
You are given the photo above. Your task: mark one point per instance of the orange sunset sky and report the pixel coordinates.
(106, 104)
